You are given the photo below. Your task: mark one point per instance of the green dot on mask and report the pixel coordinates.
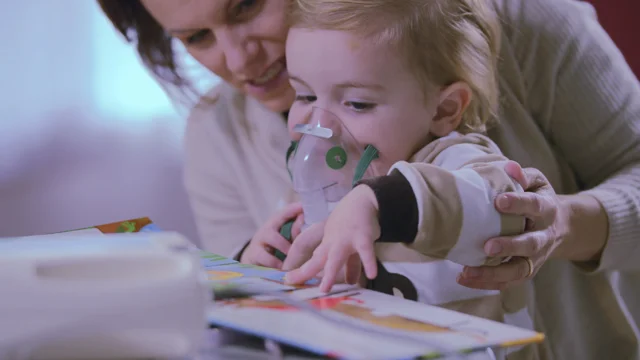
(336, 158)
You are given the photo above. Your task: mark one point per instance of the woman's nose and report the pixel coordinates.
(240, 52)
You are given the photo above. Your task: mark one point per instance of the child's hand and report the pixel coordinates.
(260, 250)
(303, 246)
(349, 235)
(302, 250)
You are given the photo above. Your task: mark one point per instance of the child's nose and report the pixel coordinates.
(315, 117)
(326, 119)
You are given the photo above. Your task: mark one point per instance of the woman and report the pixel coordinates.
(570, 108)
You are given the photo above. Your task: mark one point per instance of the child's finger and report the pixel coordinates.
(368, 256)
(336, 260)
(307, 271)
(353, 269)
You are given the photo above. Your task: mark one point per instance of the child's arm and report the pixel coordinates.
(442, 204)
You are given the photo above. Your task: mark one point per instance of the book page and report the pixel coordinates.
(357, 323)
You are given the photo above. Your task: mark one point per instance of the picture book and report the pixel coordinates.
(223, 273)
(348, 323)
(143, 224)
(355, 323)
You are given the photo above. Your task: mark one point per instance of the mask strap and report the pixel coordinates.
(370, 154)
(290, 150)
(285, 230)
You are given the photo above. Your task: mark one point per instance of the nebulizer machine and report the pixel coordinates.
(121, 296)
(325, 164)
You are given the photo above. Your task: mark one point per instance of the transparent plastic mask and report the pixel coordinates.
(324, 163)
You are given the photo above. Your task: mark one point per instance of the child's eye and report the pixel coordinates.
(306, 98)
(359, 106)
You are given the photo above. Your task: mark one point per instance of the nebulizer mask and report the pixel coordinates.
(325, 164)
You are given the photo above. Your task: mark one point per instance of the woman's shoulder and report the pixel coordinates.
(540, 37)
(522, 19)
(212, 122)
(216, 106)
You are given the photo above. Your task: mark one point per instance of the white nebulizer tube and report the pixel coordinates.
(125, 296)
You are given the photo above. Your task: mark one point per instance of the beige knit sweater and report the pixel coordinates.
(570, 107)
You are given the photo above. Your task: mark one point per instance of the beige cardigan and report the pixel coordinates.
(570, 107)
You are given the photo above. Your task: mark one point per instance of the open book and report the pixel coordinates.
(348, 323)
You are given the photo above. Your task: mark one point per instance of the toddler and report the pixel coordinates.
(409, 86)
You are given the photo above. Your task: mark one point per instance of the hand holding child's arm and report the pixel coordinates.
(349, 235)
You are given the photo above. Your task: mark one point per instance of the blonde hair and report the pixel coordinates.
(444, 41)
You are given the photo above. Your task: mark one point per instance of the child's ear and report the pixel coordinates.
(454, 100)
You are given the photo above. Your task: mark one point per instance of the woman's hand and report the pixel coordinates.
(267, 239)
(546, 225)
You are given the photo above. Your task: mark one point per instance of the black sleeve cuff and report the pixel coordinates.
(398, 207)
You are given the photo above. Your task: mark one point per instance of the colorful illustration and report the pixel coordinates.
(246, 270)
(216, 275)
(419, 330)
(210, 260)
(353, 307)
(150, 228)
(127, 226)
(253, 285)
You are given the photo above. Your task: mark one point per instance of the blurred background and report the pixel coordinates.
(86, 134)
(88, 137)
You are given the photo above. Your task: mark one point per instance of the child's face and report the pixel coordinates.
(367, 86)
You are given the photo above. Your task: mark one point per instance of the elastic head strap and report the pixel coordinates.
(290, 150)
(370, 154)
(285, 232)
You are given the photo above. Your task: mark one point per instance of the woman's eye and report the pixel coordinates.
(306, 98)
(245, 8)
(360, 106)
(197, 37)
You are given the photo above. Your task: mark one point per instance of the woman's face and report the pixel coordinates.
(241, 41)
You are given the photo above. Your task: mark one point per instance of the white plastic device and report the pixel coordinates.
(130, 296)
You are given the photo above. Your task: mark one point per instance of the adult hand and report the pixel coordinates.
(267, 239)
(547, 222)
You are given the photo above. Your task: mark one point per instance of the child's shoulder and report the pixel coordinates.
(456, 145)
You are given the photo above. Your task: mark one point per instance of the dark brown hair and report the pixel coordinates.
(153, 44)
